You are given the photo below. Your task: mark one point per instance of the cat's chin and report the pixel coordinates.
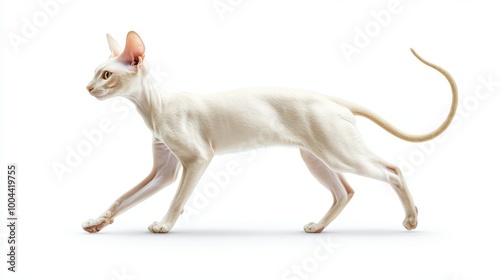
(104, 96)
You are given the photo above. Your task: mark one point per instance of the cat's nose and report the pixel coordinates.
(90, 88)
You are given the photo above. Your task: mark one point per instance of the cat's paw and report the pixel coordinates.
(158, 227)
(313, 228)
(95, 225)
(411, 221)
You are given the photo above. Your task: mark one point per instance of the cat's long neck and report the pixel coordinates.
(148, 98)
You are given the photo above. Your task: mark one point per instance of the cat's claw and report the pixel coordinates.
(95, 225)
(158, 227)
(313, 228)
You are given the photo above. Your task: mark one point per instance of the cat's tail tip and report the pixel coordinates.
(361, 111)
(418, 56)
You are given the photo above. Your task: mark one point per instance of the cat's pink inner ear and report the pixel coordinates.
(115, 48)
(134, 51)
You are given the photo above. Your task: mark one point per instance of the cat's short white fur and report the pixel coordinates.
(189, 129)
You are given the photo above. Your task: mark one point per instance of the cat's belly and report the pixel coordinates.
(240, 137)
(240, 144)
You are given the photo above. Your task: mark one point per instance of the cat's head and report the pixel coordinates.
(121, 74)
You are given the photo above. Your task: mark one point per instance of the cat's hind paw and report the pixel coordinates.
(313, 228)
(411, 221)
(158, 227)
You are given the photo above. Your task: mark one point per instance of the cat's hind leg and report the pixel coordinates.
(164, 172)
(335, 182)
(398, 183)
(346, 152)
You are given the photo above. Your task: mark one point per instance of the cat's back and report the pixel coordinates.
(254, 102)
(262, 96)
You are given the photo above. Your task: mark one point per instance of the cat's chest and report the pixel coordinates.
(153, 119)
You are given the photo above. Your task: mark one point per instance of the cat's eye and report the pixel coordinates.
(106, 75)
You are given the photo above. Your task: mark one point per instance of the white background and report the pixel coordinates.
(251, 227)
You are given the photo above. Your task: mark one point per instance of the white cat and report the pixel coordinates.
(189, 129)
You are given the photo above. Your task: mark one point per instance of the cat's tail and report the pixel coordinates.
(364, 112)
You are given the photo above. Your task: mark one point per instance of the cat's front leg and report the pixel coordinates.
(164, 172)
(193, 170)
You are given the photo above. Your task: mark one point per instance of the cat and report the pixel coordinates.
(188, 130)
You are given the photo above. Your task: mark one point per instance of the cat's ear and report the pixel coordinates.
(134, 51)
(115, 48)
